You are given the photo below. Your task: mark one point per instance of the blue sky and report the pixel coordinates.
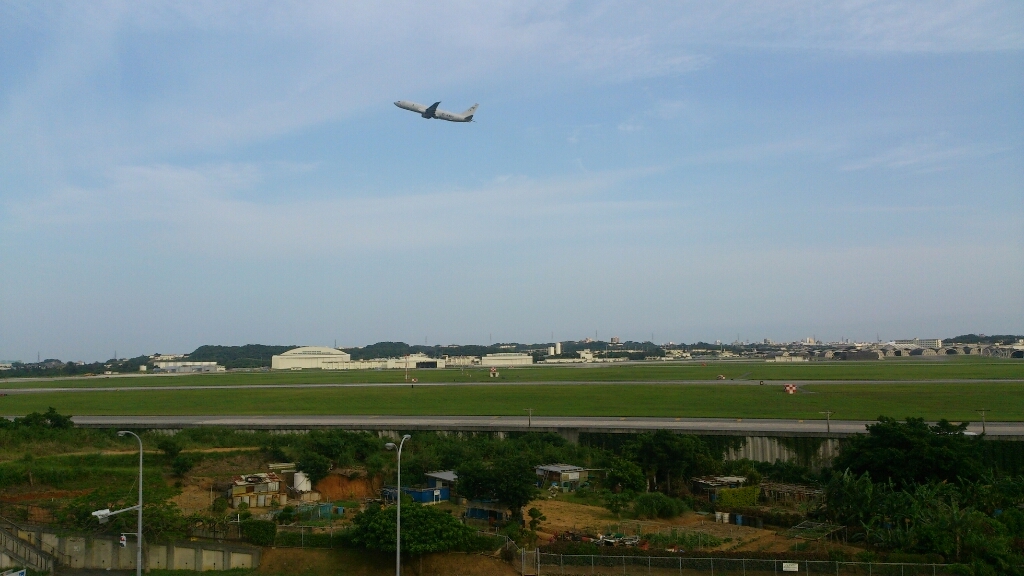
(174, 174)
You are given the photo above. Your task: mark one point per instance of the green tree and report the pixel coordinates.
(536, 517)
(315, 466)
(509, 480)
(624, 475)
(424, 529)
(664, 456)
(657, 505)
(169, 446)
(912, 452)
(182, 464)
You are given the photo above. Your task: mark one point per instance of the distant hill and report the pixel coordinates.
(983, 339)
(248, 356)
(399, 349)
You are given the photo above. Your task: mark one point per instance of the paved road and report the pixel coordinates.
(144, 388)
(709, 426)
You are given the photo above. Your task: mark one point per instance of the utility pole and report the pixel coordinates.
(530, 416)
(983, 411)
(828, 421)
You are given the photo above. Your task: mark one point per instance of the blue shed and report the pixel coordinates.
(490, 510)
(420, 495)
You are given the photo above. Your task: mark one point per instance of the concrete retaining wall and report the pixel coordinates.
(813, 452)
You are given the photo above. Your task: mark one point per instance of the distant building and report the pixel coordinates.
(261, 490)
(710, 485)
(164, 357)
(442, 479)
(506, 359)
(565, 476)
(6, 365)
(187, 367)
(494, 512)
(418, 360)
(615, 340)
(917, 343)
(787, 357)
(310, 357)
(438, 489)
(859, 355)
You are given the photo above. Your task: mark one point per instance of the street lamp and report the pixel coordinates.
(828, 421)
(398, 498)
(105, 514)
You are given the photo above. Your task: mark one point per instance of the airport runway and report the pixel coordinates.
(574, 425)
(130, 388)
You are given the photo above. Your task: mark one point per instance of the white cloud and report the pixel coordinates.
(229, 73)
(923, 155)
(206, 211)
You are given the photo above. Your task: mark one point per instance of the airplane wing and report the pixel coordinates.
(429, 112)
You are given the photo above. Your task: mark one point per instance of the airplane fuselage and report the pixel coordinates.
(433, 112)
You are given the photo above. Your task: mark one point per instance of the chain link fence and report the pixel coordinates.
(537, 563)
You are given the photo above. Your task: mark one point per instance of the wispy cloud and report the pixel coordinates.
(205, 210)
(923, 156)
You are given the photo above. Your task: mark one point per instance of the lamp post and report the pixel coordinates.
(105, 514)
(983, 411)
(398, 498)
(828, 421)
(530, 421)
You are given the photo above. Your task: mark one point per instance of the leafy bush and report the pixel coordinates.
(259, 532)
(617, 503)
(624, 475)
(169, 446)
(286, 515)
(657, 505)
(513, 531)
(536, 517)
(729, 498)
(424, 529)
(182, 463)
(51, 419)
(315, 466)
(220, 505)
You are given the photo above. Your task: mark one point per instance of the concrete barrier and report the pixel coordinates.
(105, 553)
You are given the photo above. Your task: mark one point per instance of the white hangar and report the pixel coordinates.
(310, 357)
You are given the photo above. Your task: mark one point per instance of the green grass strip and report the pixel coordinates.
(849, 401)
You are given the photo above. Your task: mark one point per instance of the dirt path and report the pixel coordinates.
(145, 452)
(291, 561)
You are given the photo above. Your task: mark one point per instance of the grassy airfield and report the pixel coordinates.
(955, 401)
(949, 368)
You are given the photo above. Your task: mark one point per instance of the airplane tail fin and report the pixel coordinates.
(471, 110)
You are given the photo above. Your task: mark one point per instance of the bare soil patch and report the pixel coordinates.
(292, 562)
(569, 516)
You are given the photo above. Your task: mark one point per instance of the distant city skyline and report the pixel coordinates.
(715, 342)
(173, 175)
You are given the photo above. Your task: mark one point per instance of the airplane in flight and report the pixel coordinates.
(432, 111)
